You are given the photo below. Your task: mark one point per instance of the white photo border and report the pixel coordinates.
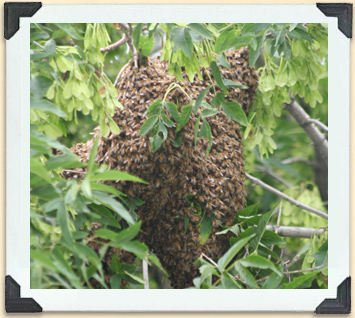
(18, 171)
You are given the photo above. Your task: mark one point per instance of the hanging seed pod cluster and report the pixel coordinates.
(189, 196)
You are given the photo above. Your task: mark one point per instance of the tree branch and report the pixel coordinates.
(306, 270)
(286, 197)
(127, 30)
(114, 45)
(293, 231)
(299, 114)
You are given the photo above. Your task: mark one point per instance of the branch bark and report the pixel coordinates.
(293, 231)
(286, 197)
(114, 45)
(299, 114)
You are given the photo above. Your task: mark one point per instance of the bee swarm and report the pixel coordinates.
(217, 182)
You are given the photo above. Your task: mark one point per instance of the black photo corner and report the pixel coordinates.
(13, 301)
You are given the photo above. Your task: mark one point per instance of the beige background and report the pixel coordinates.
(2, 170)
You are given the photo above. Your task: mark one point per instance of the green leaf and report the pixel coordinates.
(234, 111)
(197, 124)
(229, 282)
(182, 40)
(166, 121)
(39, 86)
(126, 235)
(292, 26)
(274, 280)
(37, 168)
(259, 230)
(222, 59)
(156, 261)
(173, 111)
(85, 187)
(281, 78)
(230, 83)
(209, 112)
(49, 49)
(115, 175)
(63, 161)
(106, 188)
(270, 238)
(134, 277)
(245, 275)
(304, 281)
(300, 34)
(113, 204)
(148, 125)
(106, 234)
(154, 108)
(107, 217)
(223, 40)
(250, 210)
(146, 44)
(67, 27)
(64, 267)
(46, 106)
(234, 229)
(63, 222)
(321, 256)
(200, 98)
(113, 126)
(259, 262)
(254, 53)
(81, 52)
(206, 274)
(206, 227)
(72, 194)
(240, 41)
(92, 156)
(200, 29)
(137, 248)
(205, 131)
(136, 34)
(39, 36)
(43, 259)
(115, 281)
(185, 116)
(217, 100)
(232, 252)
(217, 76)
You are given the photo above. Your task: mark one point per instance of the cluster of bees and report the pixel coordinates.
(170, 224)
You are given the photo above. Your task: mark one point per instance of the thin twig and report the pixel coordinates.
(127, 30)
(211, 260)
(274, 175)
(119, 75)
(318, 123)
(277, 226)
(145, 274)
(114, 45)
(297, 159)
(286, 197)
